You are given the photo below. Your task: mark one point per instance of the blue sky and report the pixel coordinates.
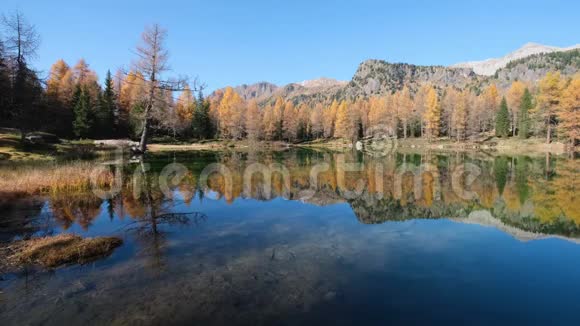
(235, 42)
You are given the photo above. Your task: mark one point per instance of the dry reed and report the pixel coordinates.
(62, 249)
(45, 178)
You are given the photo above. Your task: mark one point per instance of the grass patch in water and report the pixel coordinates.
(59, 250)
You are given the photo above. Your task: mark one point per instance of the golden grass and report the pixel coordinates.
(36, 179)
(62, 249)
(218, 145)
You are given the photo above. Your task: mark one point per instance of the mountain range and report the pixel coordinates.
(490, 66)
(377, 77)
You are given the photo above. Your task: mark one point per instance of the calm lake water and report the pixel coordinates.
(304, 237)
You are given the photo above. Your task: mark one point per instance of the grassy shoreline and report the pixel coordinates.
(12, 151)
(531, 147)
(510, 146)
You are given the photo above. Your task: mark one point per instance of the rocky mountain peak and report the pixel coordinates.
(322, 83)
(490, 66)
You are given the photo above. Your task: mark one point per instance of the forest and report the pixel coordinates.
(72, 102)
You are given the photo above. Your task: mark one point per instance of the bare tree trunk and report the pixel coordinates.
(547, 165)
(152, 64)
(514, 124)
(144, 134)
(549, 131)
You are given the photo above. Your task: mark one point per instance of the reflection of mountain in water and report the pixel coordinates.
(370, 210)
(484, 218)
(521, 193)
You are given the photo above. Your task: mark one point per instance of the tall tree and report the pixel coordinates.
(107, 112)
(460, 115)
(201, 124)
(550, 87)
(151, 65)
(502, 121)
(405, 104)
(448, 103)
(524, 120)
(278, 118)
(253, 123)
(269, 123)
(82, 122)
(185, 105)
(514, 99)
(316, 121)
(489, 106)
(346, 123)
(290, 122)
(378, 111)
(303, 126)
(419, 109)
(569, 112)
(231, 112)
(5, 86)
(432, 115)
(329, 119)
(21, 44)
(58, 71)
(85, 77)
(59, 91)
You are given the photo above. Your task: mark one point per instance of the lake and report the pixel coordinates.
(304, 237)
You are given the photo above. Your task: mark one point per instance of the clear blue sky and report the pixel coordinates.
(235, 42)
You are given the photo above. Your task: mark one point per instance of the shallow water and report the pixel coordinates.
(403, 238)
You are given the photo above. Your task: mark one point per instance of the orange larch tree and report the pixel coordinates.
(514, 100)
(550, 88)
(432, 115)
(569, 111)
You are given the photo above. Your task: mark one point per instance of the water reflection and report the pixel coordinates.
(516, 190)
(313, 244)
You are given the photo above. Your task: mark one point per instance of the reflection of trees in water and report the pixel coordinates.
(151, 225)
(555, 195)
(70, 208)
(18, 217)
(500, 169)
(370, 210)
(517, 189)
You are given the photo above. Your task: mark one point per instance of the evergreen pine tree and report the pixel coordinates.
(500, 169)
(502, 120)
(22, 41)
(106, 112)
(201, 124)
(82, 113)
(5, 89)
(197, 126)
(26, 96)
(525, 107)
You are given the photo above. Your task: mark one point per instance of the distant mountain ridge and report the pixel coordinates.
(375, 77)
(490, 66)
(256, 91)
(264, 90)
(322, 82)
(379, 77)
